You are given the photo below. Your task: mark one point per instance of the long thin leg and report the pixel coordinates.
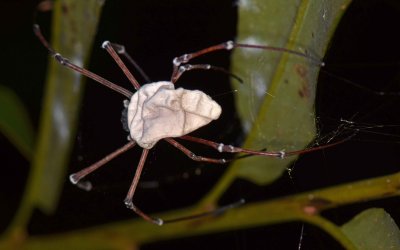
(220, 147)
(187, 67)
(280, 154)
(317, 61)
(215, 212)
(107, 45)
(187, 57)
(158, 221)
(75, 178)
(191, 155)
(120, 49)
(65, 62)
(128, 200)
(161, 222)
(229, 45)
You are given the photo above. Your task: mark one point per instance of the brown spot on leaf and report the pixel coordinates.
(302, 72)
(64, 9)
(304, 91)
(315, 205)
(310, 210)
(45, 6)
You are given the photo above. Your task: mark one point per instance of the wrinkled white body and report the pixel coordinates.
(158, 110)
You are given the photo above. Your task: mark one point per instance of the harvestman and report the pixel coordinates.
(159, 111)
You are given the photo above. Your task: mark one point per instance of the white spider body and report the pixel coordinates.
(158, 110)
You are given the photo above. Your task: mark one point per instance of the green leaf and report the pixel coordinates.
(276, 101)
(74, 28)
(15, 123)
(373, 229)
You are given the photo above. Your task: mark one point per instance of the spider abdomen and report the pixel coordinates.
(158, 110)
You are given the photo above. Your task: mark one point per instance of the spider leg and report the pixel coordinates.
(229, 45)
(215, 212)
(76, 177)
(65, 62)
(280, 154)
(315, 60)
(187, 67)
(220, 147)
(128, 200)
(108, 46)
(129, 204)
(191, 155)
(187, 57)
(120, 49)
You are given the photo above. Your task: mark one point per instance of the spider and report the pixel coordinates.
(158, 111)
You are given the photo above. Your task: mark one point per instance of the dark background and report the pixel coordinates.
(365, 50)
